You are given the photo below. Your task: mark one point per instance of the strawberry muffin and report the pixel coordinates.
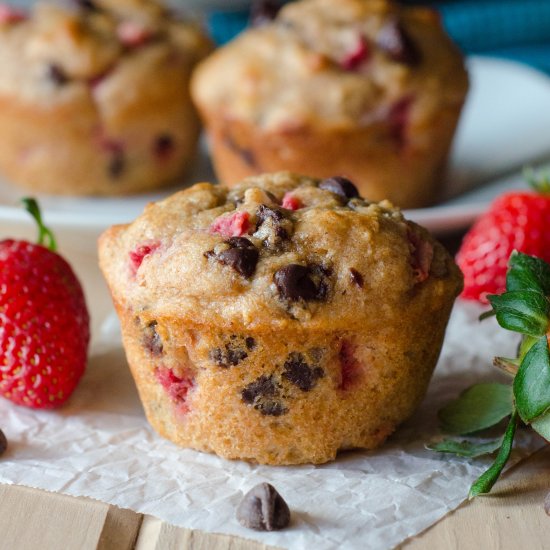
(363, 88)
(94, 96)
(279, 321)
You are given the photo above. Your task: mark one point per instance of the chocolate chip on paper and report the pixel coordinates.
(3, 443)
(263, 509)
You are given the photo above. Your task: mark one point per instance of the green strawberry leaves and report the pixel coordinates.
(528, 273)
(523, 311)
(467, 448)
(478, 408)
(532, 382)
(523, 308)
(485, 482)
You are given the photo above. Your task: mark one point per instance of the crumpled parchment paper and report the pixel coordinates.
(101, 446)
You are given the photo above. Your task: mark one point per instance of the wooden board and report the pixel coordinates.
(511, 518)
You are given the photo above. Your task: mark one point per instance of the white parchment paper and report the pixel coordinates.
(101, 446)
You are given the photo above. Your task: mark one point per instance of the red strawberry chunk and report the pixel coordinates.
(132, 34)
(398, 120)
(350, 366)
(358, 55)
(422, 254)
(290, 202)
(233, 225)
(177, 387)
(139, 253)
(10, 14)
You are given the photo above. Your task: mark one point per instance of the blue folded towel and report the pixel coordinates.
(515, 29)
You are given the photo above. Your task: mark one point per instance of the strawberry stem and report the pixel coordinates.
(538, 181)
(45, 235)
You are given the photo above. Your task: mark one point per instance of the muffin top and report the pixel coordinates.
(334, 63)
(278, 250)
(81, 49)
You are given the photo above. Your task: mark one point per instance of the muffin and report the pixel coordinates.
(362, 88)
(280, 321)
(94, 96)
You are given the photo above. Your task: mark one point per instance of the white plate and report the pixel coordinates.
(504, 126)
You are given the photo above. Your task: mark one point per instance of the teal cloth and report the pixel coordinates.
(513, 29)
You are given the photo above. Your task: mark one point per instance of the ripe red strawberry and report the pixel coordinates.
(514, 221)
(44, 323)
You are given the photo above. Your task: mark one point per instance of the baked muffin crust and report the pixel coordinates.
(368, 89)
(280, 321)
(94, 96)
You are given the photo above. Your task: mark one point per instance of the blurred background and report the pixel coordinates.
(510, 29)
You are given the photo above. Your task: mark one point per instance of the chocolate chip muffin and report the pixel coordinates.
(362, 88)
(280, 321)
(94, 96)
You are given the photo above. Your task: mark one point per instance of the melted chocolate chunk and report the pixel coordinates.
(88, 5)
(340, 186)
(263, 394)
(394, 40)
(246, 154)
(299, 373)
(263, 12)
(263, 509)
(241, 255)
(232, 354)
(298, 282)
(57, 75)
(151, 340)
(272, 227)
(163, 146)
(250, 343)
(356, 277)
(3, 443)
(117, 165)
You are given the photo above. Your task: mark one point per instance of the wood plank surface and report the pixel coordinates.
(511, 518)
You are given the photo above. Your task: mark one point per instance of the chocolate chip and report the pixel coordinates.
(86, 5)
(273, 228)
(263, 12)
(232, 354)
(297, 282)
(241, 255)
(163, 146)
(340, 186)
(151, 340)
(394, 40)
(117, 164)
(265, 213)
(299, 373)
(57, 75)
(263, 394)
(271, 408)
(246, 154)
(3, 443)
(356, 277)
(546, 503)
(250, 343)
(263, 509)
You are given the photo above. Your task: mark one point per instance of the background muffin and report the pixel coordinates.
(280, 321)
(94, 96)
(366, 89)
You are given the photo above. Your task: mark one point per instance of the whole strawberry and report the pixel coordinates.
(44, 323)
(515, 221)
